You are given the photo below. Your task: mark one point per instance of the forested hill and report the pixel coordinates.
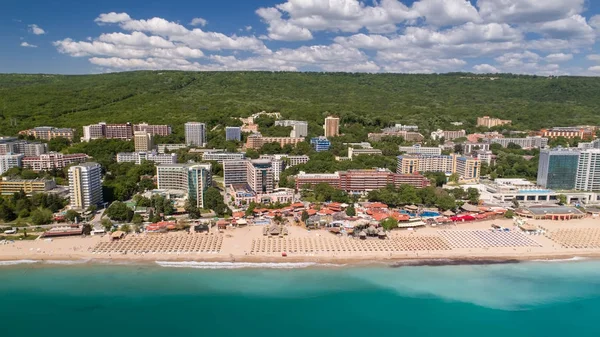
(373, 100)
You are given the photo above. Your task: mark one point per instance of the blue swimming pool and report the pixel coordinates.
(424, 214)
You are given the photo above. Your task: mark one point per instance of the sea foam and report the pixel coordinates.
(17, 262)
(242, 265)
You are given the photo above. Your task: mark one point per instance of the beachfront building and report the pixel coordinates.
(9, 186)
(320, 143)
(256, 141)
(583, 132)
(448, 134)
(154, 130)
(235, 172)
(535, 142)
(108, 131)
(557, 168)
(409, 136)
(242, 194)
(143, 141)
(588, 171)
(220, 157)
(258, 174)
(360, 181)
(299, 128)
(85, 185)
(139, 157)
(49, 132)
(187, 180)
(162, 148)
(489, 122)
(233, 133)
(53, 160)
(332, 126)
(521, 190)
(418, 149)
(278, 164)
(352, 152)
(10, 160)
(195, 134)
(467, 168)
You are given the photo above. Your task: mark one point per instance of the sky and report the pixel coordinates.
(544, 37)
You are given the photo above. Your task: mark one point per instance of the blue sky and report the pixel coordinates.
(549, 37)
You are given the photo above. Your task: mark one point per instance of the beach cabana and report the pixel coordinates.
(117, 235)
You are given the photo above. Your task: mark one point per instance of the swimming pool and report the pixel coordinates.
(424, 214)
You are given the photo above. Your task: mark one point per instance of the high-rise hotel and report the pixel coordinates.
(85, 185)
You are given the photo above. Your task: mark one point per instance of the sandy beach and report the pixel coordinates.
(460, 242)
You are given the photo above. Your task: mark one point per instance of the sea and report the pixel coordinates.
(87, 299)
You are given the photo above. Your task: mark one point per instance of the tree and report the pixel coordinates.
(509, 214)
(473, 195)
(304, 216)
(351, 211)
(454, 177)
(250, 209)
(126, 228)
(214, 200)
(87, 229)
(137, 219)
(389, 224)
(515, 203)
(72, 216)
(562, 199)
(119, 211)
(439, 178)
(6, 213)
(107, 224)
(41, 216)
(192, 209)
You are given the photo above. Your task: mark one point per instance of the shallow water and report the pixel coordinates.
(213, 299)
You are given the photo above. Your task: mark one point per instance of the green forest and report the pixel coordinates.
(369, 100)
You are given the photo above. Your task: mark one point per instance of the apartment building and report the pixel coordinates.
(53, 160)
(352, 152)
(139, 157)
(332, 126)
(23, 147)
(195, 134)
(489, 122)
(448, 135)
(235, 172)
(320, 143)
(359, 181)
(309, 180)
(299, 128)
(278, 164)
(220, 157)
(260, 176)
(467, 168)
(297, 160)
(8, 161)
(85, 185)
(407, 135)
(188, 180)
(108, 131)
(49, 132)
(256, 141)
(535, 142)
(143, 141)
(233, 133)
(418, 149)
(154, 130)
(470, 147)
(10, 186)
(162, 148)
(588, 171)
(585, 133)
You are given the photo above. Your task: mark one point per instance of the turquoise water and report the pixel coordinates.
(529, 299)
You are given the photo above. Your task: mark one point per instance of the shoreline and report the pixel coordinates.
(286, 263)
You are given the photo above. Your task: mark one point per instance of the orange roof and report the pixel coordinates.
(380, 216)
(326, 211)
(400, 216)
(239, 214)
(377, 205)
(297, 205)
(311, 212)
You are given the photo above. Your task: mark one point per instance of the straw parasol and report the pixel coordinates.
(448, 213)
(411, 207)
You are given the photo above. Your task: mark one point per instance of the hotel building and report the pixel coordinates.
(586, 133)
(195, 134)
(85, 185)
(448, 135)
(467, 168)
(108, 131)
(359, 181)
(233, 133)
(409, 136)
(162, 148)
(220, 157)
(320, 143)
(299, 128)
(258, 174)
(352, 152)
(256, 141)
(49, 132)
(189, 180)
(557, 168)
(8, 161)
(139, 157)
(53, 160)
(23, 147)
(471, 147)
(418, 149)
(143, 141)
(154, 130)
(29, 186)
(332, 127)
(488, 122)
(525, 143)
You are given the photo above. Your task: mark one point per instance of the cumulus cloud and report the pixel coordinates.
(199, 22)
(36, 30)
(559, 58)
(531, 11)
(27, 45)
(447, 12)
(485, 69)
(112, 17)
(280, 29)
(593, 57)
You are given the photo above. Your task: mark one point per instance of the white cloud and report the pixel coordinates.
(27, 45)
(559, 58)
(447, 12)
(248, 28)
(572, 27)
(280, 29)
(531, 11)
(199, 22)
(112, 17)
(36, 30)
(593, 57)
(485, 69)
